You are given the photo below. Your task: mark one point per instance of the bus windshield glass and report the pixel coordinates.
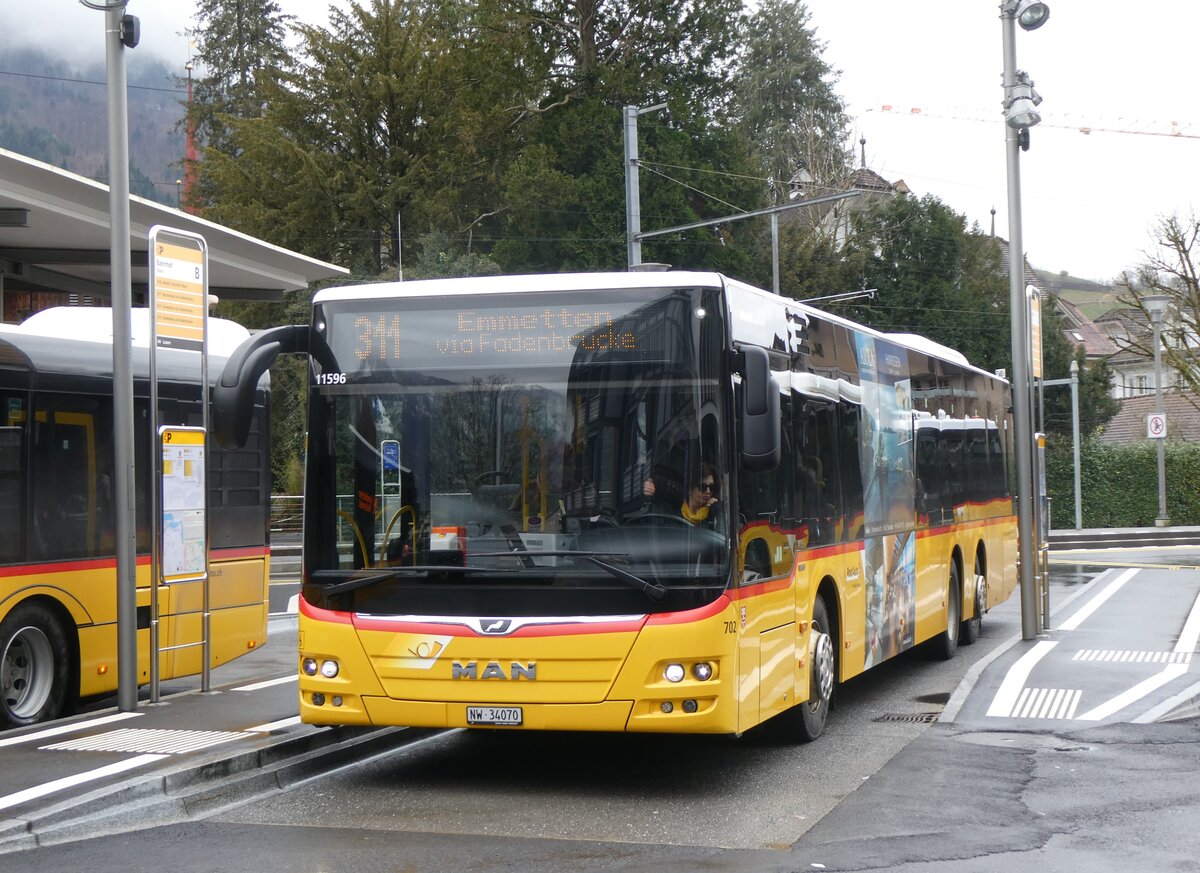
(518, 454)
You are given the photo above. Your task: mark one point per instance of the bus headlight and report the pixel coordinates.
(674, 673)
(309, 666)
(702, 671)
(329, 669)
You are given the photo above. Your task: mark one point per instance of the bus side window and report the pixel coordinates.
(818, 471)
(71, 466)
(13, 425)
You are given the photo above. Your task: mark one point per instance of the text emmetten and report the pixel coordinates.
(551, 330)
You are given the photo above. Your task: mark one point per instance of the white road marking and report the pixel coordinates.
(1047, 703)
(1155, 713)
(1191, 630)
(1137, 692)
(67, 728)
(1096, 602)
(273, 725)
(267, 683)
(1133, 657)
(147, 740)
(1182, 652)
(18, 797)
(1014, 682)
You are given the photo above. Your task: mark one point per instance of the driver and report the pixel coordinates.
(701, 496)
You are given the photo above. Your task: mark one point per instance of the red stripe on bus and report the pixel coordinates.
(318, 614)
(111, 563)
(963, 525)
(700, 613)
(453, 629)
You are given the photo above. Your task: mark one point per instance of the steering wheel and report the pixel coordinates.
(657, 517)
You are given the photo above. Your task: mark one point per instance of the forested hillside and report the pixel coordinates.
(56, 112)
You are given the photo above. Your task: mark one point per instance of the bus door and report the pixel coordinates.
(769, 534)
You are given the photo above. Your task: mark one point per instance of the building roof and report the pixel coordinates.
(54, 236)
(1129, 424)
(1077, 329)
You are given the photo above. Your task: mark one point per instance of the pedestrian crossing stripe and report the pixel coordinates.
(1053, 703)
(1133, 657)
(147, 740)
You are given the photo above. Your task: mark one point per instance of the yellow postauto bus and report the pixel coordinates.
(58, 591)
(628, 502)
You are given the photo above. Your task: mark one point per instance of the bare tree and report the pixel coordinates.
(1170, 269)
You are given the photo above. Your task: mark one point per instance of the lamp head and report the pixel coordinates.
(1021, 115)
(1032, 14)
(1021, 101)
(1156, 305)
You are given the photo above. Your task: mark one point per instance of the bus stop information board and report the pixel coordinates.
(179, 291)
(184, 528)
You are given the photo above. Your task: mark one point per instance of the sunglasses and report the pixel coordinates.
(706, 486)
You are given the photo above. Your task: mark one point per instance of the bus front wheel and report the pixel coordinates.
(946, 643)
(813, 713)
(33, 666)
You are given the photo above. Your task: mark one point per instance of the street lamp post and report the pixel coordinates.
(1156, 306)
(1020, 113)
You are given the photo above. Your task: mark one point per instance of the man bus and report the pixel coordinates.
(479, 545)
(58, 590)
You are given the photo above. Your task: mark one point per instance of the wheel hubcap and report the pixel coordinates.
(821, 652)
(27, 672)
(980, 595)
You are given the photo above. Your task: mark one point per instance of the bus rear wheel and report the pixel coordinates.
(33, 666)
(813, 713)
(970, 627)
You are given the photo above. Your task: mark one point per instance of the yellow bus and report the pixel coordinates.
(644, 501)
(58, 592)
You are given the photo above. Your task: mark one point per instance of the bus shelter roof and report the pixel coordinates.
(54, 236)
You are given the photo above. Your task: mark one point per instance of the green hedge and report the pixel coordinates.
(1120, 483)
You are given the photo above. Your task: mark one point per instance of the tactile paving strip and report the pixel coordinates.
(147, 740)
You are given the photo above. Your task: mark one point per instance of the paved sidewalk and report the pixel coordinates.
(189, 750)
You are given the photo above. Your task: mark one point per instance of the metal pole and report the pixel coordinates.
(1075, 443)
(1020, 351)
(775, 251)
(633, 201)
(633, 205)
(122, 301)
(205, 401)
(1163, 520)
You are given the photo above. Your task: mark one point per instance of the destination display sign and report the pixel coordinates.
(486, 336)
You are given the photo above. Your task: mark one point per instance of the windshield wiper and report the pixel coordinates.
(652, 589)
(357, 582)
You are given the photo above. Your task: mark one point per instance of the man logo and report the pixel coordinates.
(495, 626)
(493, 670)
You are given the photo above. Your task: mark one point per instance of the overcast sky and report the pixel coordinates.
(1089, 200)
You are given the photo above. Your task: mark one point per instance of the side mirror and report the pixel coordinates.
(233, 395)
(759, 413)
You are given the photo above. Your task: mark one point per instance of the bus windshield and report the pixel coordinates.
(531, 454)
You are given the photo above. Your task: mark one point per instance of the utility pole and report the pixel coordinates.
(633, 203)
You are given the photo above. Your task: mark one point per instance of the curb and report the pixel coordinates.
(198, 788)
(1122, 538)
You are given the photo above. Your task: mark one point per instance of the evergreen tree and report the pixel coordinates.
(786, 101)
(237, 45)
